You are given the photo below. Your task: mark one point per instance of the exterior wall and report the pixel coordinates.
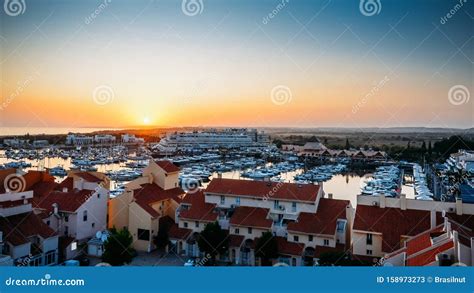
(243, 231)
(192, 225)
(360, 247)
(20, 250)
(118, 210)
(464, 254)
(414, 204)
(317, 239)
(139, 219)
(96, 207)
(397, 260)
(160, 177)
(266, 204)
(49, 244)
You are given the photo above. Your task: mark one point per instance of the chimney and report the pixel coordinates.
(403, 202)
(432, 219)
(382, 201)
(65, 189)
(25, 201)
(55, 208)
(459, 206)
(219, 175)
(330, 195)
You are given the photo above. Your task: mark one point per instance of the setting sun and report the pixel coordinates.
(146, 120)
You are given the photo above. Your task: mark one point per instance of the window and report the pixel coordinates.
(296, 238)
(369, 239)
(196, 224)
(341, 226)
(293, 262)
(293, 207)
(98, 195)
(84, 216)
(326, 242)
(48, 222)
(185, 224)
(249, 230)
(222, 199)
(310, 238)
(143, 234)
(237, 201)
(237, 231)
(369, 252)
(66, 230)
(276, 204)
(50, 258)
(93, 225)
(66, 218)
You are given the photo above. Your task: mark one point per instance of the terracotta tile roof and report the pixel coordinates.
(421, 241)
(236, 240)
(147, 208)
(429, 255)
(324, 221)
(67, 201)
(251, 217)
(88, 177)
(151, 193)
(168, 166)
(179, 233)
(263, 189)
(16, 229)
(392, 223)
(289, 248)
(200, 210)
(66, 183)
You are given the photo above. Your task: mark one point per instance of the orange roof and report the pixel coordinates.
(18, 228)
(324, 221)
(289, 248)
(263, 189)
(179, 233)
(168, 166)
(251, 217)
(392, 223)
(67, 201)
(88, 177)
(429, 256)
(199, 210)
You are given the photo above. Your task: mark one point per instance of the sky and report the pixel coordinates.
(237, 63)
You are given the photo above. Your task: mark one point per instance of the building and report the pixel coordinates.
(383, 226)
(320, 151)
(450, 243)
(302, 221)
(73, 139)
(213, 139)
(130, 138)
(104, 138)
(40, 143)
(145, 201)
(15, 142)
(25, 240)
(74, 209)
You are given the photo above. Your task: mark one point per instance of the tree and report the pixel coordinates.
(423, 147)
(213, 240)
(118, 247)
(348, 145)
(162, 240)
(266, 248)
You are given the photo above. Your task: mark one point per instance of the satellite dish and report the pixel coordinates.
(103, 238)
(98, 235)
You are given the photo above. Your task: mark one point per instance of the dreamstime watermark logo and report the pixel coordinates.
(14, 183)
(281, 264)
(192, 7)
(14, 7)
(103, 95)
(458, 95)
(190, 185)
(90, 18)
(275, 11)
(372, 92)
(274, 190)
(370, 7)
(22, 86)
(281, 95)
(444, 19)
